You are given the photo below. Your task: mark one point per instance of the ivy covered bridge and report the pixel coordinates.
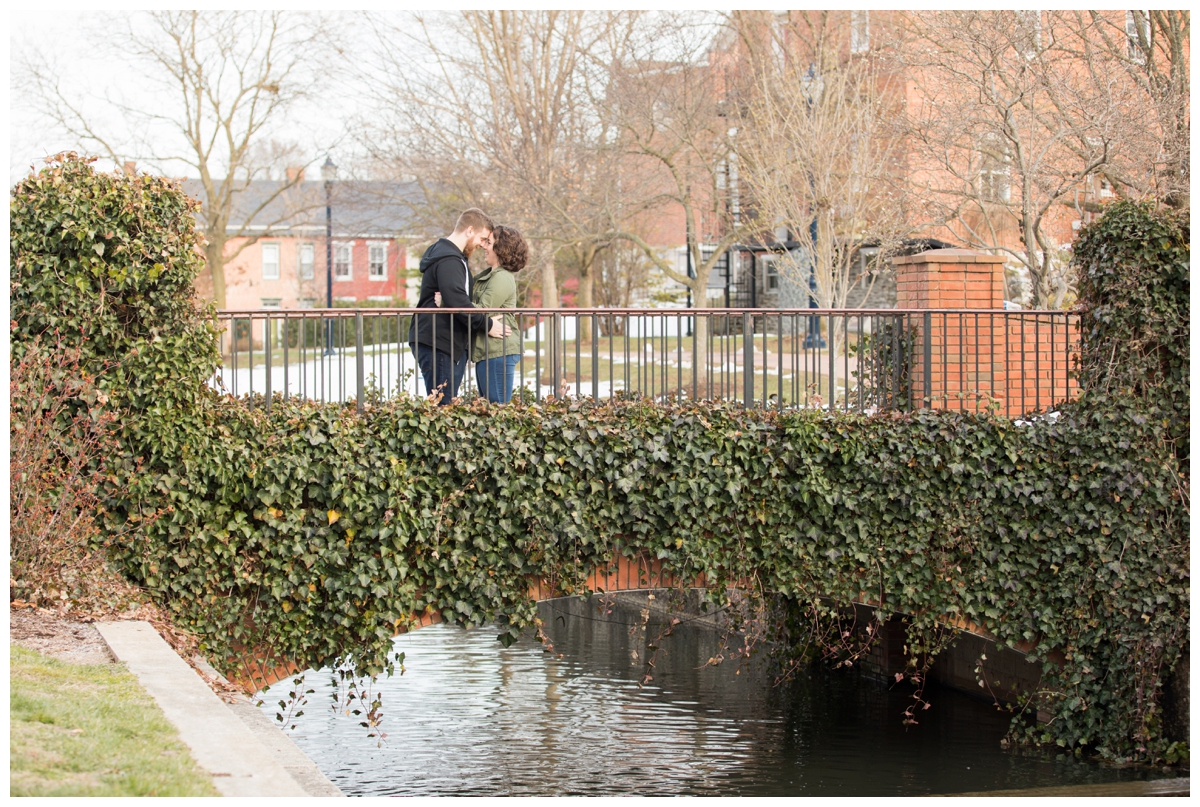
(313, 532)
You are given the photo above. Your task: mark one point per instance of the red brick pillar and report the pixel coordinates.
(949, 278)
(966, 347)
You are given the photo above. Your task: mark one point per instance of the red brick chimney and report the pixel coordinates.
(295, 174)
(130, 167)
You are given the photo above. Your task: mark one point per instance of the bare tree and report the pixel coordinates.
(820, 157)
(1012, 118)
(493, 108)
(602, 191)
(622, 271)
(679, 139)
(220, 86)
(1144, 57)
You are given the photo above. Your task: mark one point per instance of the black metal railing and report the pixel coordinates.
(1011, 362)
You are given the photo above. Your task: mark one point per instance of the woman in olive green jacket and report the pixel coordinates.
(496, 358)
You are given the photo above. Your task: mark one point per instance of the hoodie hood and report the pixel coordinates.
(442, 248)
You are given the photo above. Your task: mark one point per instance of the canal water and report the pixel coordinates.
(470, 717)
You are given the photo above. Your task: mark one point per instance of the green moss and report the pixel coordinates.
(91, 730)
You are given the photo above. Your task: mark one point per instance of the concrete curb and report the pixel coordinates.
(275, 740)
(244, 757)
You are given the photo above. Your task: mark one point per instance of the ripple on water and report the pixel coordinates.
(470, 717)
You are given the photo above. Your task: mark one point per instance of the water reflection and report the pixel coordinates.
(473, 718)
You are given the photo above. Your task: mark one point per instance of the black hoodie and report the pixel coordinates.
(444, 269)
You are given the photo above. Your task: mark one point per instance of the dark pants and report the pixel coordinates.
(437, 365)
(495, 377)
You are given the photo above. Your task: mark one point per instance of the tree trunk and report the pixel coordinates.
(700, 356)
(214, 256)
(1038, 276)
(587, 282)
(827, 279)
(545, 256)
(699, 287)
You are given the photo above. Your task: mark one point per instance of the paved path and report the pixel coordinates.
(245, 753)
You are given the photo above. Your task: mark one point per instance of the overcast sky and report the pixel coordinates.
(89, 76)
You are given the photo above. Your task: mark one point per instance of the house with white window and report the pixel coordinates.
(289, 262)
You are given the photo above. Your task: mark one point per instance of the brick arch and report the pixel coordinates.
(622, 574)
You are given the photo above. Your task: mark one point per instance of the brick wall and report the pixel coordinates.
(361, 286)
(978, 355)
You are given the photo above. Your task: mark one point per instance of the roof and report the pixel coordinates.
(360, 208)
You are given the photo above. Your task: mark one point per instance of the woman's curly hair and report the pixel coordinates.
(510, 248)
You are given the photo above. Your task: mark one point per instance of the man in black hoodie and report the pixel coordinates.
(441, 341)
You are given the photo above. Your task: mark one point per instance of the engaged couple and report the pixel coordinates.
(444, 343)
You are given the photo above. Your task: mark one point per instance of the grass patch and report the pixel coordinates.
(91, 730)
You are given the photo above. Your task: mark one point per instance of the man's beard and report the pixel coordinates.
(468, 249)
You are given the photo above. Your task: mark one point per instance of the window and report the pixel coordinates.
(308, 302)
(860, 31)
(307, 259)
(270, 261)
(341, 260)
(771, 273)
(716, 277)
(273, 303)
(377, 260)
(993, 169)
(868, 260)
(1137, 29)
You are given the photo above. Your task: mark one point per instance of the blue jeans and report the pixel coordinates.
(495, 377)
(447, 371)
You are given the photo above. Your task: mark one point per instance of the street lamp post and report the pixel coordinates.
(691, 273)
(329, 174)
(812, 87)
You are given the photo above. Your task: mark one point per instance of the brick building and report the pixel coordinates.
(285, 264)
(974, 193)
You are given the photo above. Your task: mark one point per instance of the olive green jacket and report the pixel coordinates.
(496, 288)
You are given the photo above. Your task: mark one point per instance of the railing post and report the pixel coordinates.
(926, 370)
(250, 358)
(832, 342)
(748, 359)
(595, 358)
(267, 352)
(358, 356)
(286, 364)
(696, 367)
(555, 341)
